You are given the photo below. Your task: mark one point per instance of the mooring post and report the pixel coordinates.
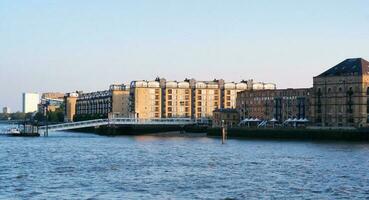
(46, 133)
(224, 132)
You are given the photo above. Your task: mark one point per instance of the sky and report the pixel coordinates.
(69, 45)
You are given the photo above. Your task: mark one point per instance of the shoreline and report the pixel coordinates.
(145, 130)
(293, 134)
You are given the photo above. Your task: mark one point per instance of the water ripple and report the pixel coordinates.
(84, 166)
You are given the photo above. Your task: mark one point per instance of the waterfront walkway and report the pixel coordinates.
(118, 121)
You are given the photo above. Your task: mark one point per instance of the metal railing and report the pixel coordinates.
(117, 121)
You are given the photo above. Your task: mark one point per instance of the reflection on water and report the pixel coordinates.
(86, 166)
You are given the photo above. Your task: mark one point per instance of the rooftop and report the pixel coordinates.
(348, 67)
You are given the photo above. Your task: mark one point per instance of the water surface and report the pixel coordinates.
(69, 165)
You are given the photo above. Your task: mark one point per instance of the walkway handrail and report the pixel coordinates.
(119, 121)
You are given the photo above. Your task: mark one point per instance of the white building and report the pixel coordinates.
(30, 102)
(6, 110)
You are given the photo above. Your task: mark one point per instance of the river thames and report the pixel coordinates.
(68, 165)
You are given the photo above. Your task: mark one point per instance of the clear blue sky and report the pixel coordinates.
(68, 45)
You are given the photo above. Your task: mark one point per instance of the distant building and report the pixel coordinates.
(177, 99)
(6, 110)
(52, 95)
(277, 105)
(208, 97)
(146, 99)
(263, 86)
(103, 104)
(159, 99)
(30, 102)
(188, 98)
(341, 95)
(51, 101)
(225, 117)
(70, 101)
(230, 93)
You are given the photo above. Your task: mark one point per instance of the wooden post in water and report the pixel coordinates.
(224, 133)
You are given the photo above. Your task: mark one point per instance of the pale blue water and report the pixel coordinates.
(85, 166)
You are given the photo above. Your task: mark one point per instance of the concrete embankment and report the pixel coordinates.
(293, 134)
(142, 130)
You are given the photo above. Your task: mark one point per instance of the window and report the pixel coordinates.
(349, 100)
(319, 101)
(350, 120)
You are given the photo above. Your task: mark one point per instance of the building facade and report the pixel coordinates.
(188, 98)
(30, 102)
(177, 99)
(96, 104)
(146, 99)
(341, 95)
(6, 110)
(277, 105)
(226, 117)
(230, 93)
(158, 99)
(207, 98)
(70, 101)
(120, 101)
(103, 104)
(51, 101)
(53, 95)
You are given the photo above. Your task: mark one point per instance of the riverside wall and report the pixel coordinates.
(293, 134)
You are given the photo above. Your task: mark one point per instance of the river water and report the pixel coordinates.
(68, 165)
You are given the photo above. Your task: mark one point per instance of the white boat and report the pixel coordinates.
(13, 131)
